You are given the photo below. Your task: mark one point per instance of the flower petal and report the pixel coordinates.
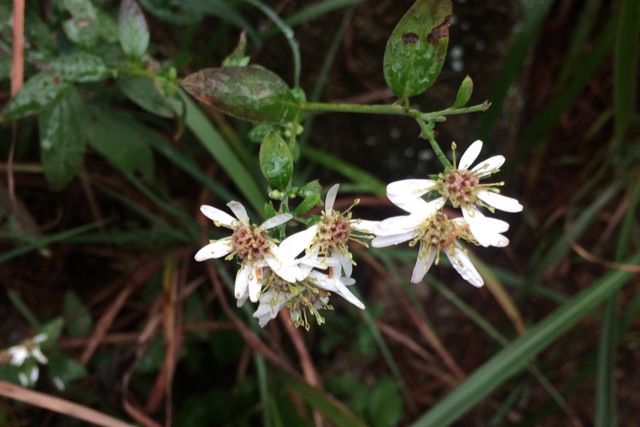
(334, 284)
(498, 201)
(394, 239)
(255, 283)
(422, 208)
(330, 200)
(293, 245)
(239, 211)
(275, 221)
(216, 249)
(426, 256)
(365, 226)
(461, 262)
(218, 217)
(345, 263)
(398, 224)
(409, 188)
(483, 229)
(489, 166)
(470, 155)
(242, 280)
(39, 356)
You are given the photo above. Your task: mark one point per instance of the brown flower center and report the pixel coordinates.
(334, 232)
(249, 243)
(459, 186)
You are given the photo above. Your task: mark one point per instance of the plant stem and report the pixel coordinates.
(427, 131)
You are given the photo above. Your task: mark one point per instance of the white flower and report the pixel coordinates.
(328, 240)
(23, 353)
(428, 225)
(302, 297)
(251, 244)
(462, 188)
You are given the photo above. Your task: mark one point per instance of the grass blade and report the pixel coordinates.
(515, 357)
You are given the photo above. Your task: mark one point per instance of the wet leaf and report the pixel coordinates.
(62, 143)
(276, 161)
(250, 93)
(35, 94)
(464, 92)
(80, 67)
(133, 31)
(417, 48)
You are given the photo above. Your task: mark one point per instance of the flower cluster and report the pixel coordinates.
(26, 355)
(299, 273)
(428, 224)
(306, 268)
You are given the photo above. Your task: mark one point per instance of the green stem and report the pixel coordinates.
(324, 107)
(428, 134)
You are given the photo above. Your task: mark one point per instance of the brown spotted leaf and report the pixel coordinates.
(251, 93)
(417, 48)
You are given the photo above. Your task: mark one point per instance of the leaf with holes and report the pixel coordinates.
(417, 48)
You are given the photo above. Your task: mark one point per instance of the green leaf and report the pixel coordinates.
(123, 142)
(276, 161)
(63, 370)
(77, 317)
(417, 48)
(36, 93)
(88, 25)
(172, 11)
(464, 92)
(62, 143)
(384, 405)
(250, 93)
(80, 67)
(133, 31)
(52, 329)
(238, 57)
(145, 94)
(517, 355)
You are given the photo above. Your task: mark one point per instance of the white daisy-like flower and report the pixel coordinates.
(303, 298)
(328, 240)
(28, 350)
(251, 244)
(462, 187)
(428, 225)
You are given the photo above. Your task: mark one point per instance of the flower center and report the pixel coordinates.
(439, 232)
(459, 186)
(334, 232)
(249, 243)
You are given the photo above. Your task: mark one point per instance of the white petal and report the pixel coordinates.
(399, 224)
(483, 229)
(255, 283)
(499, 201)
(461, 262)
(40, 338)
(242, 280)
(365, 226)
(500, 241)
(39, 356)
(394, 239)
(213, 250)
(334, 284)
(409, 188)
(470, 155)
(240, 301)
(18, 355)
(422, 208)
(34, 374)
(423, 264)
(330, 200)
(239, 211)
(293, 245)
(218, 217)
(275, 221)
(345, 293)
(489, 166)
(23, 379)
(345, 263)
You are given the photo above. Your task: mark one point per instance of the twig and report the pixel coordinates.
(58, 405)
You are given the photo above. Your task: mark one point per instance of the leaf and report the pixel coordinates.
(62, 143)
(238, 57)
(80, 67)
(122, 141)
(36, 93)
(52, 329)
(172, 11)
(250, 93)
(516, 356)
(88, 25)
(417, 48)
(143, 92)
(63, 370)
(464, 92)
(77, 317)
(133, 31)
(276, 161)
(384, 404)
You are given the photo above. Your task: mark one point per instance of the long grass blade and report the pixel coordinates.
(516, 356)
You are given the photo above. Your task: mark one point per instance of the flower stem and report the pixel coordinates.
(427, 131)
